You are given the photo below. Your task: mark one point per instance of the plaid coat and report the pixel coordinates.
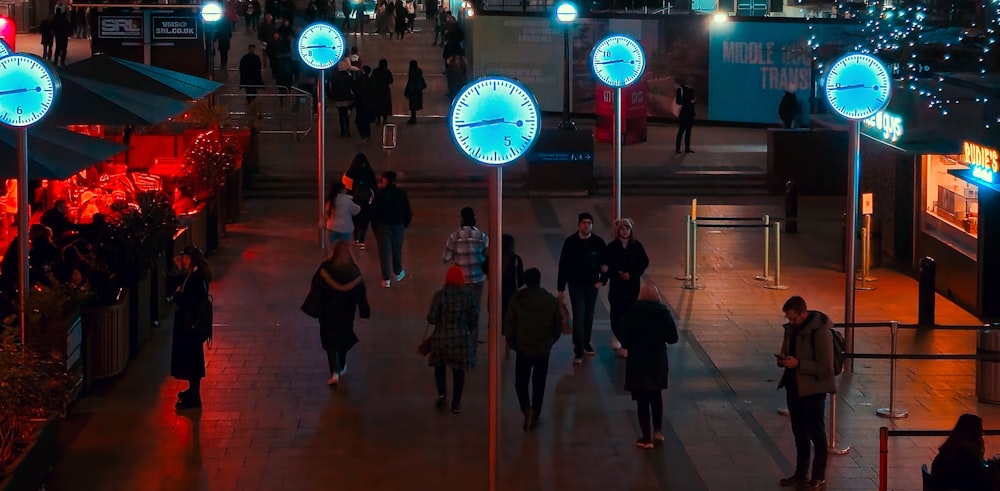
(454, 315)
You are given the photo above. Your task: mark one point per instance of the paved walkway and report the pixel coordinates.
(270, 422)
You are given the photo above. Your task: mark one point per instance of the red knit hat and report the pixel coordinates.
(454, 276)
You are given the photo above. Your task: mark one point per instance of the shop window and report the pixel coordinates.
(951, 205)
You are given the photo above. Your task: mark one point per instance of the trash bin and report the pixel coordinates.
(988, 366)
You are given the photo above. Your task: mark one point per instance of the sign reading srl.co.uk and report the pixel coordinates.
(982, 160)
(119, 26)
(175, 27)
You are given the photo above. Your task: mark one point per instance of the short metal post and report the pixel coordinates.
(388, 136)
(766, 276)
(892, 411)
(692, 284)
(832, 447)
(777, 259)
(866, 255)
(883, 458)
(687, 251)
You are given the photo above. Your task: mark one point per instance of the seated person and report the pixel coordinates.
(97, 231)
(88, 207)
(959, 464)
(55, 218)
(183, 202)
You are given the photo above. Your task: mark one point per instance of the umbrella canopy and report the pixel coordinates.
(152, 80)
(54, 153)
(85, 101)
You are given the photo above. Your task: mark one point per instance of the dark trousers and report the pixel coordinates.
(361, 223)
(537, 369)
(251, 94)
(457, 378)
(390, 249)
(807, 417)
(47, 51)
(364, 129)
(337, 360)
(649, 404)
(582, 297)
(344, 113)
(684, 131)
(59, 57)
(619, 302)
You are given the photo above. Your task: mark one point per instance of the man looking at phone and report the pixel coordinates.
(807, 357)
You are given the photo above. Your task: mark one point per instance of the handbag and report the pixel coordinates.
(567, 322)
(424, 348)
(313, 304)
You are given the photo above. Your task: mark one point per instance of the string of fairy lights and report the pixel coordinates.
(896, 33)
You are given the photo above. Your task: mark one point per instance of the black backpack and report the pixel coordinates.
(839, 350)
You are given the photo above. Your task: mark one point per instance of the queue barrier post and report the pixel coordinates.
(866, 256)
(766, 275)
(692, 282)
(777, 259)
(892, 411)
(687, 252)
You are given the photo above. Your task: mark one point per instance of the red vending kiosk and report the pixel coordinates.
(8, 32)
(633, 112)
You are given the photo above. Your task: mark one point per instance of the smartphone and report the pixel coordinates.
(778, 355)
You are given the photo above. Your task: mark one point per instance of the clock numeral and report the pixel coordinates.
(506, 141)
(19, 110)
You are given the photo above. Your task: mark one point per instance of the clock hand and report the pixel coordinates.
(317, 46)
(14, 91)
(608, 62)
(477, 124)
(855, 86)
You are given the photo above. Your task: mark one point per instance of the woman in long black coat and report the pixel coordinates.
(414, 90)
(646, 329)
(626, 261)
(187, 356)
(381, 96)
(343, 293)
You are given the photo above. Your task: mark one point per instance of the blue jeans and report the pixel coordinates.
(582, 298)
(332, 237)
(390, 249)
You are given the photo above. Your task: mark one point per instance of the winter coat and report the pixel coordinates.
(580, 260)
(960, 468)
(646, 329)
(814, 351)
(414, 90)
(381, 96)
(391, 207)
(187, 357)
(631, 259)
(338, 218)
(340, 302)
(250, 67)
(532, 323)
(363, 184)
(454, 313)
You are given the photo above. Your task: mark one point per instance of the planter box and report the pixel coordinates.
(234, 196)
(140, 326)
(106, 339)
(214, 225)
(197, 222)
(30, 468)
(159, 293)
(62, 337)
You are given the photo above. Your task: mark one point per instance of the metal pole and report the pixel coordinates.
(853, 176)
(687, 251)
(211, 53)
(616, 184)
(832, 448)
(692, 283)
(891, 411)
(566, 124)
(495, 285)
(22, 230)
(866, 255)
(321, 155)
(766, 276)
(883, 458)
(777, 259)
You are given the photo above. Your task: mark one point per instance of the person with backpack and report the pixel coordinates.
(807, 356)
(362, 186)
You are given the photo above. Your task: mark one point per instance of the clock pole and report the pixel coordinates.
(853, 176)
(321, 154)
(616, 184)
(22, 229)
(495, 286)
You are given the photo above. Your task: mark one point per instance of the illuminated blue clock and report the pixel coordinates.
(27, 90)
(494, 120)
(618, 61)
(4, 49)
(857, 86)
(320, 45)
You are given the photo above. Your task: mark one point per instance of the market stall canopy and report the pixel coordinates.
(54, 153)
(149, 79)
(85, 101)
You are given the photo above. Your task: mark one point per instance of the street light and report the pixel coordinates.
(211, 12)
(566, 14)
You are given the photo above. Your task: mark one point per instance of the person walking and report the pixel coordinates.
(532, 324)
(411, 15)
(414, 90)
(453, 341)
(187, 356)
(685, 119)
(391, 215)
(252, 15)
(340, 211)
(381, 98)
(362, 187)
(362, 104)
(513, 271)
(580, 270)
(402, 19)
(342, 94)
(45, 30)
(251, 79)
(647, 327)
(467, 248)
(807, 358)
(61, 31)
(343, 292)
(623, 263)
(223, 39)
(345, 9)
(265, 34)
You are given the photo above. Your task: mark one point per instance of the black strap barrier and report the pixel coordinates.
(736, 219)
(733, 225)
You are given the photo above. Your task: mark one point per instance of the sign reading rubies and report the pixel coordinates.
(175, 27)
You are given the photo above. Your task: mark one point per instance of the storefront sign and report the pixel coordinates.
(884, 126)
(175, 27)
(982, 160)
(120, 27)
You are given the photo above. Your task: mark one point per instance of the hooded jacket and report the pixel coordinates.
(813, 346)
(533, 322)
(647, 328)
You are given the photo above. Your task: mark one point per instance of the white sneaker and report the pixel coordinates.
(401, 275)
(343, 370)
(577, 361)
(385, 284)
(334, 379)
(615, 344)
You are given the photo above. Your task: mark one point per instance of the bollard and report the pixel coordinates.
(766, 276)
(777, 259)
(791, 207)
(866, 256)
(892, 411)
(925, 292)
(692, 283)
(687, 252)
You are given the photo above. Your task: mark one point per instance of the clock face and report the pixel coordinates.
(618, 61)
(494, 120)
(320, 45)
(4, 49)
(857, 86)
(27, 90)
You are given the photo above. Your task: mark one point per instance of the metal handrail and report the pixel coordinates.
(294, 112)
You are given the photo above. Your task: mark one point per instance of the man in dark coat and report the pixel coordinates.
(532, 324)
(55, 218)
(685, 120)
(788, 109)
(250, 77)
(580, 270)
(61, 30)
(223, 39)
(647, 328)
(381, 96)
(391, 215)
